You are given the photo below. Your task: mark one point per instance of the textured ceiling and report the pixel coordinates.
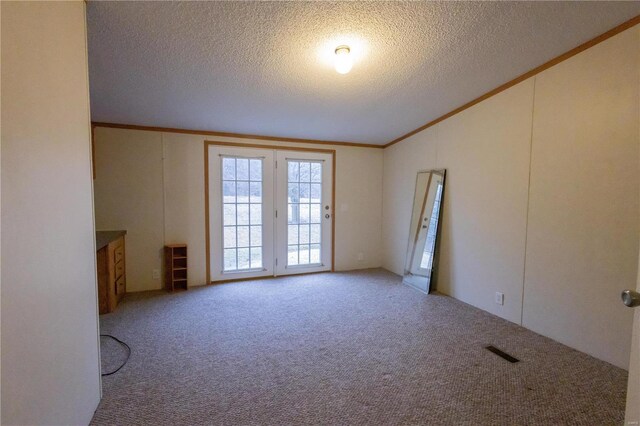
(265, 67)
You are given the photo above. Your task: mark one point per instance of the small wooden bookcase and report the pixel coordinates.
(175, 267)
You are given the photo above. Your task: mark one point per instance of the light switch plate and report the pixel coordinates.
(155, 274)
(499, 298)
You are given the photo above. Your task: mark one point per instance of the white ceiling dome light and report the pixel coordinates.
(343, 60)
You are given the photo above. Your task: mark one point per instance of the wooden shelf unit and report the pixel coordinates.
(175, 267)
(112, 279)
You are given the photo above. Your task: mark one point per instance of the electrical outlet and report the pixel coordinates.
(499, 298)
(155, 274)
(360, 257)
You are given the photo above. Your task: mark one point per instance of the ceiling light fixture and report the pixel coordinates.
(343, 60)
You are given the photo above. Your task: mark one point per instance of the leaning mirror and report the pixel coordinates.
(423, 231)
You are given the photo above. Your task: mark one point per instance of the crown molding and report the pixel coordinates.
(232, 135)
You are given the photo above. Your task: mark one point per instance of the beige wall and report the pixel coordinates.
(161, 202)
(575, 217)
(582, 247)
(129, 195)
(50, 361)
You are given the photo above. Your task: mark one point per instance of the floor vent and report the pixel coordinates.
(502, 354)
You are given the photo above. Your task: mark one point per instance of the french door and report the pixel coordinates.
(304, 215)
(269, 212)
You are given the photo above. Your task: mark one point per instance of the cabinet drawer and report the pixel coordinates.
(118, 243)
(119, 270)
(120, 286)
(118, 254)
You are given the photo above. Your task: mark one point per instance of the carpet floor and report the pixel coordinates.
(342, 348)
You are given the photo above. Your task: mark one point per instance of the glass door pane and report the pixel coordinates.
(242, 213)
(304, 208)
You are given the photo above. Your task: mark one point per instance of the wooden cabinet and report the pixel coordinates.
(175, 267)
(112, 277)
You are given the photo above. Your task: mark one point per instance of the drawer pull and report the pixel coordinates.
(119, 269)
(119, 254)
(120, 285)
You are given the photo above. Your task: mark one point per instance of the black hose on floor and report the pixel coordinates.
(128, 353)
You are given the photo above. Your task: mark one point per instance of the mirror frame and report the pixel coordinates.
(413, 236)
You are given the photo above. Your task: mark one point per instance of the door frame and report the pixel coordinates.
(208, 143)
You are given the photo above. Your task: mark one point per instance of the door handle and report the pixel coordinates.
(631, 298)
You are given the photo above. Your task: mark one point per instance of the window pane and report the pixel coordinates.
(315, 233)
(294, 174)
(229, 192)
(255, 192)
(229, 259)
(243, 192)
(292, 255)
(305, 192)
(294, 194)
(243, 236)
(304, 254)
(314, 256)
(256, 257)
(256, 214)
(304, 213)
(229, 214)
(256, 236)
(255, 170)
(292, 237)
(315, 213)
(243, 258)
(229, 236)
(243, 214)
(316, 193)
(304, 234)
(242, 169)
(316, 172)
(292, 213)
(305, 172)
(228, 168)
